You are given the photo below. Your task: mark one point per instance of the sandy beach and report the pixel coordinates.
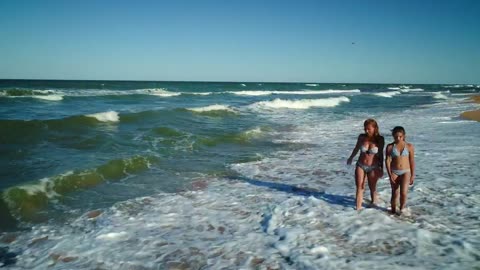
(472, 115)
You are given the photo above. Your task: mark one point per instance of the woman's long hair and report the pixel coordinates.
(374, 123)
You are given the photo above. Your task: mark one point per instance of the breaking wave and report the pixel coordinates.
(301, 104)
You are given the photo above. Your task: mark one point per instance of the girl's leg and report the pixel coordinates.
(404, 182)
(360, 183)
(395, 195)
(372, 184)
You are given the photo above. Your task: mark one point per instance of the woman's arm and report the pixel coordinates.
(411, 159)
(355, 150)
(381, 145)
(388, 160)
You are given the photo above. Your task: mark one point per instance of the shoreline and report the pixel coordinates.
(472, 115)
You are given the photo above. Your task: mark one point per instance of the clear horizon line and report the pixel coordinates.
(213, 81)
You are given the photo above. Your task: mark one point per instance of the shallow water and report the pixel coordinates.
(231, 175)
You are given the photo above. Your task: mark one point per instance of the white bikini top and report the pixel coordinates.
(371, 151)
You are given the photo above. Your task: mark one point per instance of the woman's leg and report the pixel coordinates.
(372, 184)
(404, 181)
(360, 183)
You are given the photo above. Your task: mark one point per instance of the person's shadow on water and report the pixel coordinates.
(342, 200)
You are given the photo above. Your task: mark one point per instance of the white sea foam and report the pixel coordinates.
(242, 84)
(200, 93)
(454, 122)
(49, 97)
(301, 92)
(43, 186)
(293, 209)
(160, 92)
(115, 236)
(109, 92)
(243, 223)
(458, 86)
(110, 116)
(311, 84)
(400, 87)
(258, 131)
(387, 94)
(301, 104)
(439, 95)
(216, 107)
(251, 93)
(411, 90)
(45, 92)
(461, 94)
(319, 92)
(442, 118)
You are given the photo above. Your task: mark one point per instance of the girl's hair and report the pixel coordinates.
(398, 129)
(372, 122)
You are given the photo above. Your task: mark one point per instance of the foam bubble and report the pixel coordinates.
(110, 116)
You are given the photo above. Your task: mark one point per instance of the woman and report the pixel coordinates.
(400, 164)
(370, 162)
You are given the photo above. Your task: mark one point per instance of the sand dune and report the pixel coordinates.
(472, 115)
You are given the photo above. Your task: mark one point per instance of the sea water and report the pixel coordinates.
(191, 175)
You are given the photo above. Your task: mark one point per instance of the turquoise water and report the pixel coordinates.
(70, 147)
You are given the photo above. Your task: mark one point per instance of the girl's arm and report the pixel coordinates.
(355, 150)
(411, 159)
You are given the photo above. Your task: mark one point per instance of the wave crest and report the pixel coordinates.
(110, 116)
(159, 92)
(302, 104)
(25, 201)
(387, 94)
(300, 92)
(213, 110)
(50, 97)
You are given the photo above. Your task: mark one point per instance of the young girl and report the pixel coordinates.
(400, 164)
(370, 162)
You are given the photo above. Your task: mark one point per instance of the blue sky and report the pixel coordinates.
(283, 41)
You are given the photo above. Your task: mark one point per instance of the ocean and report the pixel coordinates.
(230, 175)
